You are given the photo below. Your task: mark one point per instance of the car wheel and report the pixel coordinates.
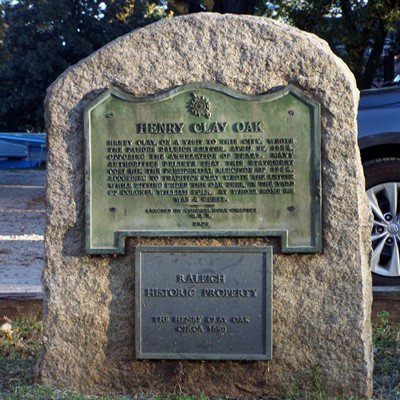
(382, 177)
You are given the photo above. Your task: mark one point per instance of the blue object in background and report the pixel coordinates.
(22, 150)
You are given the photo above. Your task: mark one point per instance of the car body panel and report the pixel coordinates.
(379, 121)
(379, 111)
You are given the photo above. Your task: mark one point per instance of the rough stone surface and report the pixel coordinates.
(322, 302)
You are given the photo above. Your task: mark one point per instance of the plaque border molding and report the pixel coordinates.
(267, 301)
(315, 179)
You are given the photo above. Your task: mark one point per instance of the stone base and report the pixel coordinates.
(322, 302)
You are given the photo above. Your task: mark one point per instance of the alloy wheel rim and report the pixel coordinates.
(384, 199)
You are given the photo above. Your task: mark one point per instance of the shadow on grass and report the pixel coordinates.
(15, 373)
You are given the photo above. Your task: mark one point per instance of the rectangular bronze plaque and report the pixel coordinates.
(202, 160)
(204, 303)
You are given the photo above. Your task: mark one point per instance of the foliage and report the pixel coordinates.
(39, 39)
(386, 338)
(182, 397)
(39, 392)
(222, 6)
(359, 31)
(21, 338)
(20, 344)
(16, 373)
(3, 27)
(45, 37)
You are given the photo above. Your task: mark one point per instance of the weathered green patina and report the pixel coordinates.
(203, 160)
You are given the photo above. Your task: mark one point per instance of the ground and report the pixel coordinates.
(22, 215)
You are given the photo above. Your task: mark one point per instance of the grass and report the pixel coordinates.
(21, 342)
(386, 338)
(20, 339)
(37, 392)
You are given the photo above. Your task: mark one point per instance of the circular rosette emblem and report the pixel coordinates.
(200, 106)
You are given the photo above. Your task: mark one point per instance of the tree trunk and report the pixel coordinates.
(375, 58)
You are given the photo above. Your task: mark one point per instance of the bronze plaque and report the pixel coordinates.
(202, 160)
(204, 303)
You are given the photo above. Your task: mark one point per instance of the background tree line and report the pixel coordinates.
(39, 39)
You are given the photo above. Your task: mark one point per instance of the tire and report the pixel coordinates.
(382, 179)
